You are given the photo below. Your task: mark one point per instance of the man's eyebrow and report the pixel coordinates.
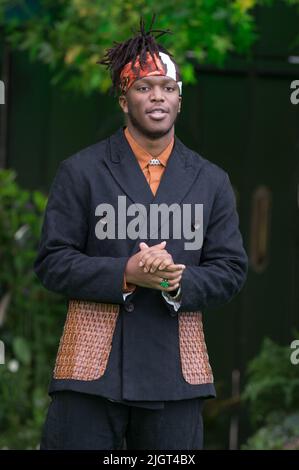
(148, 80)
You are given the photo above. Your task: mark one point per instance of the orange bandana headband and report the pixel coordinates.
(165, 67)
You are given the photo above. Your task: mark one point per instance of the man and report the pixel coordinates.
(132, 365)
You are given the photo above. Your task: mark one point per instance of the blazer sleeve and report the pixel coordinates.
(61, 264)
(224, 263)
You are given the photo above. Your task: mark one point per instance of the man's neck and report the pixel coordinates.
(154, 147)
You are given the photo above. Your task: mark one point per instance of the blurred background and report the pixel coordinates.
(240, 63)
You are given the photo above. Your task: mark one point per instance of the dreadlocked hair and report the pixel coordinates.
(121, 53)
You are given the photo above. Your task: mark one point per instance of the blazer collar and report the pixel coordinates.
(179, 175)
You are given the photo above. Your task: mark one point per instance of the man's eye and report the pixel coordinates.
(142, 88)
(169, 88)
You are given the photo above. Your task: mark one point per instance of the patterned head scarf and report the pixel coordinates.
(160, 64)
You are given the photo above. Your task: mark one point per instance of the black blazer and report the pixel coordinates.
(152, 345)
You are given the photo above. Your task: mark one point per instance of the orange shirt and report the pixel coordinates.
(152, 173)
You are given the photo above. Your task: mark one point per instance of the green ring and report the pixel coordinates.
(164, 283)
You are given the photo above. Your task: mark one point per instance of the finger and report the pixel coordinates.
(162, 262)
(152, 258)
(159, 246)
(175, 280)
(170, 289)
(167, 275)
(151, 255)
(153, 261)
(158, 261)
(166, 263)
(143, 246)
(173, 268)
(170, 276)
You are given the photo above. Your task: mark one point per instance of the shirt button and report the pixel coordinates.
(129, 307)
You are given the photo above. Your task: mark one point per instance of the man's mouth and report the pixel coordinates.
(157, 113)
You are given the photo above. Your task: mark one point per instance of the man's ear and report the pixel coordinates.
(123, 103)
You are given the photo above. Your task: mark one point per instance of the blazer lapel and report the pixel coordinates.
(180, 173)
(125, 168)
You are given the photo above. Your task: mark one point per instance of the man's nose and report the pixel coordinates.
(157, 94)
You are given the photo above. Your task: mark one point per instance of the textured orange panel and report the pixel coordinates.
(86, 341)
(195, 363)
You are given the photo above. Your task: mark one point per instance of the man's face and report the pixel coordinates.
(151, 105)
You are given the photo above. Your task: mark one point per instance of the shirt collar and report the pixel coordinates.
(143, 156)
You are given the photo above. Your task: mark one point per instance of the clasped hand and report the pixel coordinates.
(151, 265)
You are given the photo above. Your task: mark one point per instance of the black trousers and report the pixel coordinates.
(82, 421)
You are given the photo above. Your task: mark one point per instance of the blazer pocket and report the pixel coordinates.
(86, 341)
(195, 363)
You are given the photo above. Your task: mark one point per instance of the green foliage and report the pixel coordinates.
(71, 35)
(281, 432)
(31, 319)
(273, 382)
(272, 392)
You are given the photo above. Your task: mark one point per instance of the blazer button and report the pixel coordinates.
(129, 307)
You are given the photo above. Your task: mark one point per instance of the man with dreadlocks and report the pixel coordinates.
(132, 367)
